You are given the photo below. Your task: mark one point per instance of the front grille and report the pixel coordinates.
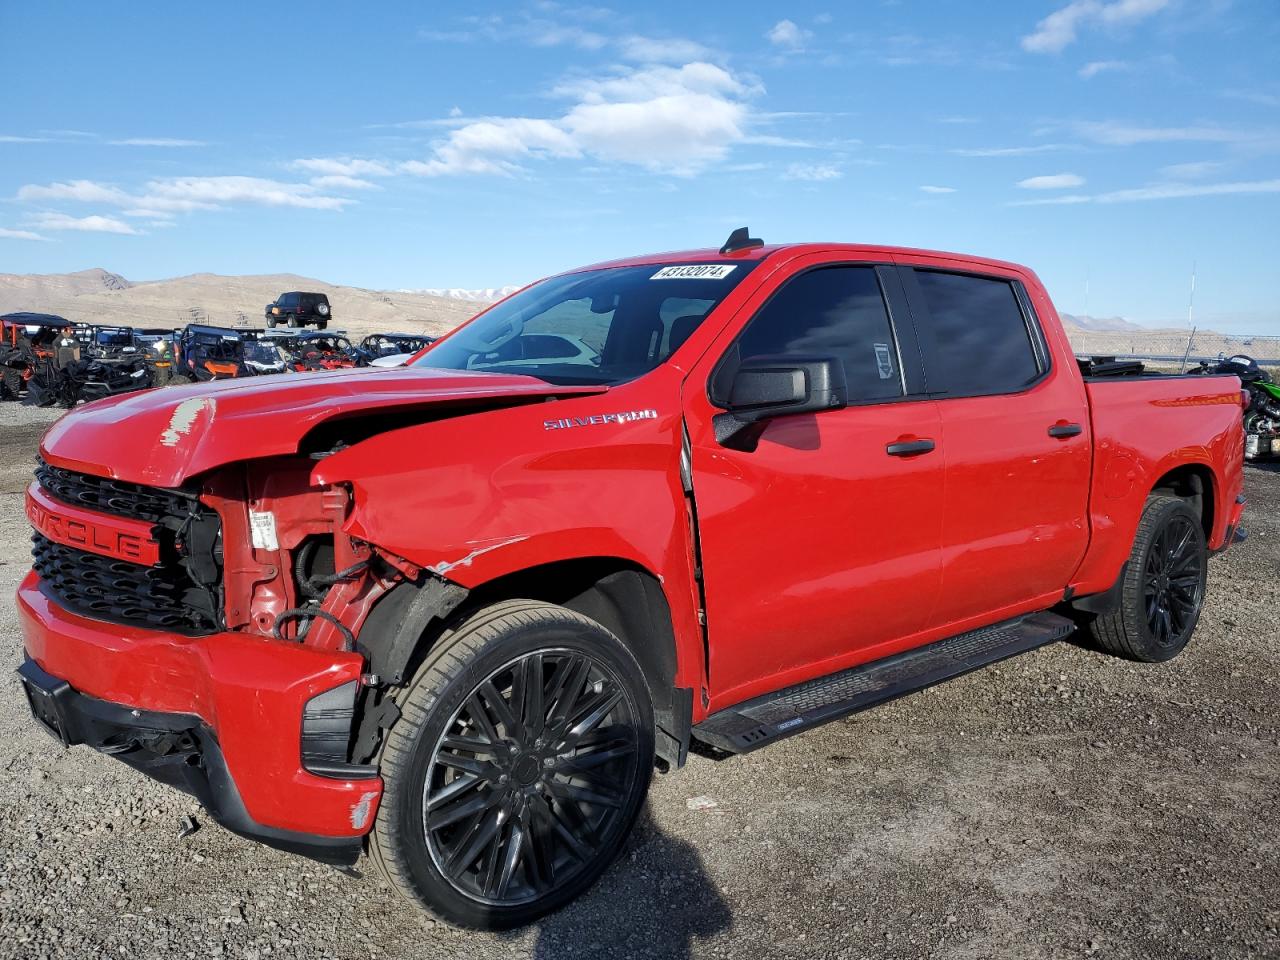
(182, 593)
(161, 598)
(114, 496)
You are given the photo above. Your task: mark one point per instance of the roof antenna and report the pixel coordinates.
(740, 239)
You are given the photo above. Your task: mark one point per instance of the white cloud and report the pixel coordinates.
(338, 181)
(544, 34)
(813, 172)
(92, 224)
(343, 167)
(83, 191)
(1007, 151)
(1095, 67)
(222, 190)
(930, 188)
(7, 138)
(655, 81)
(156, 142)
(1165, 191)
(668, 119)
(679, 134)
(1060, 29)
(8, 234)
(1052, 181)
(1190, 171)
(1111, 133)
(493, 146)
(787, 35)
(662, 50)
(182, 194)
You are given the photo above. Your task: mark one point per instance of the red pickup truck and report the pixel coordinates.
(452, 614)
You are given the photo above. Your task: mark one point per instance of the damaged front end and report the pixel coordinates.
(215, 636)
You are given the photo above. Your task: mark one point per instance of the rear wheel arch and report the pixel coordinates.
(1196, 484)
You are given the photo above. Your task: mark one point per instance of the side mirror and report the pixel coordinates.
(764, 388)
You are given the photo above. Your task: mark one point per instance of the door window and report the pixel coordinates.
(982, 337)
(834, 312)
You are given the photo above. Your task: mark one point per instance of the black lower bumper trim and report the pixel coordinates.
(177, 749)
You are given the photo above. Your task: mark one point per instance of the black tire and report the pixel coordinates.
(548, 842)
(322, 324)
(271, 321)
(291, 319)
(10, 383)
(1164, 586)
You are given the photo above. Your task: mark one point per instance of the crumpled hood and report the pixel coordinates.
(162, 437)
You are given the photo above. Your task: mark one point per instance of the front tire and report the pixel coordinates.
(292, 321)
(517, 769)
(1164, 586)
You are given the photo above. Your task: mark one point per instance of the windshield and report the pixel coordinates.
(601, 326)
(261, 352)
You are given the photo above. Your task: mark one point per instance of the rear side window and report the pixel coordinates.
(982, 337)
(835, 312)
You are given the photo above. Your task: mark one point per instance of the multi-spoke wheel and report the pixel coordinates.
(1163, 588)
(518, 767)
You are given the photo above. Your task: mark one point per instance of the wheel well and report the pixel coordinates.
(1193, 483)
(628, 602)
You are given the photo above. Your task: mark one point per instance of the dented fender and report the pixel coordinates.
(476, 498)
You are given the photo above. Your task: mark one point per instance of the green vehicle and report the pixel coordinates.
(1262, 415)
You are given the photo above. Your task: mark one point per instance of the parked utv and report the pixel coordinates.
(210, 353)
(262, 355)
(26, 342)
(318, 351)
(161, 347)
(378, 346)
(451, 615)
(299, 309)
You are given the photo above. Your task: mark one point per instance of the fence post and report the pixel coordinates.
(1190, 340)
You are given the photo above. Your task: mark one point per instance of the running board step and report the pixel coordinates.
(754, 723)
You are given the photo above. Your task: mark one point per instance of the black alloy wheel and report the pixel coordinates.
(529, 779)
(518, 766)
(1173, 583)
(1162, 588)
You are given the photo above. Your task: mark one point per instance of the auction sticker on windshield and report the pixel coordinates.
(695, 271)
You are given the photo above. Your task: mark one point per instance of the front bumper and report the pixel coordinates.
(219, 717)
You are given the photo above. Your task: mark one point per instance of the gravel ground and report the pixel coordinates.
(1063, 804)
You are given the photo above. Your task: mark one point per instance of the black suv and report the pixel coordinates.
(298, 309)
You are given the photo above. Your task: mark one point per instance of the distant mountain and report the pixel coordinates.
(1102, 324)
(484, 295)
(98, 296)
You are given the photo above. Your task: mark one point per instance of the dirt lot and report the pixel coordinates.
(1063, 804)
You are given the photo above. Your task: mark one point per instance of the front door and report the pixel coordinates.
(820, 542)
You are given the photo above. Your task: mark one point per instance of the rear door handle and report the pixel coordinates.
(907, 448)
(1061, 430)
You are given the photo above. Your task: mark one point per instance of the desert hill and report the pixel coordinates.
(98, 296)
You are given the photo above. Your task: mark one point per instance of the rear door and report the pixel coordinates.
(1015, 442)
(818, 544)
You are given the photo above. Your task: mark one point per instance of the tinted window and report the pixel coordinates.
(982, 338)
(837, 312)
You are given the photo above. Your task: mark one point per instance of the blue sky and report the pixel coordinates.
(1109, 144)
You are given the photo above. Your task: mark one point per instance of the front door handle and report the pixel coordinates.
(1063, 430)
(907, 448)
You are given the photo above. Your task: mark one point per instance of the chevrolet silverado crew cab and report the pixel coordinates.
(451, 615)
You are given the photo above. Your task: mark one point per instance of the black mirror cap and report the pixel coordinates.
(767, 387)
